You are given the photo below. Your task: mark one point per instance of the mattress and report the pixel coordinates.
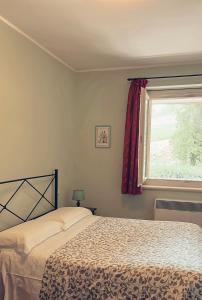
(109, 258)
(21, 277)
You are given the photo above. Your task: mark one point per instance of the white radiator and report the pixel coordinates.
(178, 210)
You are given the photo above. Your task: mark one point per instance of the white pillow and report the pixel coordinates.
(67, 216)
(22, 238)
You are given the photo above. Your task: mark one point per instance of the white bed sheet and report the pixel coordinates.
(21, 277)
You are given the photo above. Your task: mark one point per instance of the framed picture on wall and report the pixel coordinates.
(102, 136)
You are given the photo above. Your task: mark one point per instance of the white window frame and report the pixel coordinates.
(144, 148)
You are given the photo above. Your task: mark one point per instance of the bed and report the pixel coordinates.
(71, 254)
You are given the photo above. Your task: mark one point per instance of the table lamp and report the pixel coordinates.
(78, 195)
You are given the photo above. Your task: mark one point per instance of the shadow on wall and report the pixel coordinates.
(137, 205)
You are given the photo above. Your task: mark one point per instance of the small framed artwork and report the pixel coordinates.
(103, 136)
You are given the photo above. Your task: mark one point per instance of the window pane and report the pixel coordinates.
(176, 141)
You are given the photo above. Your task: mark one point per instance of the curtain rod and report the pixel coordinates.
(161, 77)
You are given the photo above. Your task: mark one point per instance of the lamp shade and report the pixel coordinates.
(78, 195)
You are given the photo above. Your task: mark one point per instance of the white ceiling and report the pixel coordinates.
(99, 34)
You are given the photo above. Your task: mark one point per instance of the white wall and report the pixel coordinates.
(101, 100)
(47, 120)
(37, 112)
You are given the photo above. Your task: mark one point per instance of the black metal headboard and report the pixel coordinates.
(53, 178)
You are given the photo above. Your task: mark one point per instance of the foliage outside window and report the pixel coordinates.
(173, 139)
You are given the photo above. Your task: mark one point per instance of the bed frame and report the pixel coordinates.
(53, 180)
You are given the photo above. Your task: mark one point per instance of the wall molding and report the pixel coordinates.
(36, 43)
(50, 53)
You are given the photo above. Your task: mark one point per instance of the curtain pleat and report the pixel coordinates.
(131, 140)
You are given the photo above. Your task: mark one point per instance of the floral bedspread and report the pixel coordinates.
(127, 259)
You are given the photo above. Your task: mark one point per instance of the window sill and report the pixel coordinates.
(172, 188)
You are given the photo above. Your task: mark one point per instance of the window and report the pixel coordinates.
(171, 138)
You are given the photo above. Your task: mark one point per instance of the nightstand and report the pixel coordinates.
(92, 209)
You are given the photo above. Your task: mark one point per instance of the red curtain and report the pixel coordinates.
(131, 139)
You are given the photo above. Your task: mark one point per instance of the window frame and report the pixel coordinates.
(144, 147)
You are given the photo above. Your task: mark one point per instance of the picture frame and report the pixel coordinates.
(103, 136)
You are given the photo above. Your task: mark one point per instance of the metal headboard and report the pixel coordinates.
(53, 177)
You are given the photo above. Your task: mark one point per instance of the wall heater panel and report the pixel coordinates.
(178, 210)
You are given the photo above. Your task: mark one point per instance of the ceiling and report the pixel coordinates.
(110, 34)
